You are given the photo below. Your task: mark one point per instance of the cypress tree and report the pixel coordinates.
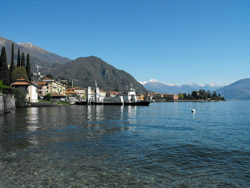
(23, 60)
(4, 71)
(12, 66)
(18, 58)
(28, 67)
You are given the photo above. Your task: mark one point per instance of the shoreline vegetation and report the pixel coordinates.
(194, 96)
(194, 100)
(200, 96)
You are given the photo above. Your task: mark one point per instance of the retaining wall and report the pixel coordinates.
(7, 103)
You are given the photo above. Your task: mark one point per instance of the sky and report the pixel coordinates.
(174, 41)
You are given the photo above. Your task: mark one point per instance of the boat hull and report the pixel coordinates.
(141, 103)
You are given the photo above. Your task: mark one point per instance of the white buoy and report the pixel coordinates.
(193, 110)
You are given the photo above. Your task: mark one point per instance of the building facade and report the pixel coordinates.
(30, 89)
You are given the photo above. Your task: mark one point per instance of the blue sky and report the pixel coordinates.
(175, 41)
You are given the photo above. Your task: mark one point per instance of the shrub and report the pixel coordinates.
(48, 97)
(20, 98)
(1, 85)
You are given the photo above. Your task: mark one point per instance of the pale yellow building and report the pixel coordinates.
(55, 86)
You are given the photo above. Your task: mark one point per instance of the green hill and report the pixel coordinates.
(88, 69)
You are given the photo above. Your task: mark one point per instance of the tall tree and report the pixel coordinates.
(18, 58)
(4, 71)
(12, 66)
(28, 67)
(23, 60)
(18, 73)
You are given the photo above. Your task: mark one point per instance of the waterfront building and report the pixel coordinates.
(30, 89)
(79, 91)
(161, 97)
(42, 89)
(154, 96)
(55, 87)
(171, 97)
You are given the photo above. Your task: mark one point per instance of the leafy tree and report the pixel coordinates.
(208, 94)
(194, 94)
(20, 98)
(201, 94)
(4, 71)
(184, 95)
(180, 96)
(28, 71)
(48, 97)
(1, 85)
(19, 72)
(12, 66)
(23, 60)
(18, 58)
(84, 97)
(214, 96)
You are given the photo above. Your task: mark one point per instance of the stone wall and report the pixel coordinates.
(7, 103)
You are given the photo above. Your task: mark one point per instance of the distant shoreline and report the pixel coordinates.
(195, 100)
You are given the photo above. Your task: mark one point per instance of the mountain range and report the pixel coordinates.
(239, 90)
(38, 56)
(84, 70)
(161, 87)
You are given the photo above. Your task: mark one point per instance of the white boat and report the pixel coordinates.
(127, 98)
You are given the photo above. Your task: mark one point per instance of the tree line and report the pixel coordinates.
(201, 95)
(20, 69)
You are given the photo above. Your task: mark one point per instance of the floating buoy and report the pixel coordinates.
(193, 110)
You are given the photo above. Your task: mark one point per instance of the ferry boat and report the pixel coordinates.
(127, 98)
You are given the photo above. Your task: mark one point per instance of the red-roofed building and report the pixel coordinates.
(113, 93)
(172, 97)
(29, 88)
(75, 90)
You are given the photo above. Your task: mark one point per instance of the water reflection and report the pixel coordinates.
(13, 131)
(126, 146)
(32, 119)
(132, 113)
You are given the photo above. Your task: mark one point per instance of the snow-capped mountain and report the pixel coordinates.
(162, 87)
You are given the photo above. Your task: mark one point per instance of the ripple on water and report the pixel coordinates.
(162, 145)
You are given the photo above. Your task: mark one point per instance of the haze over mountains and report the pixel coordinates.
(161, 87)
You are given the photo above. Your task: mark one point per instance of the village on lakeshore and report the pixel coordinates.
(36, 89)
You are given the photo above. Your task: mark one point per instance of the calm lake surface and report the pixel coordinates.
(162, 145)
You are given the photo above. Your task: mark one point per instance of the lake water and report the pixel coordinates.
(162, 145)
